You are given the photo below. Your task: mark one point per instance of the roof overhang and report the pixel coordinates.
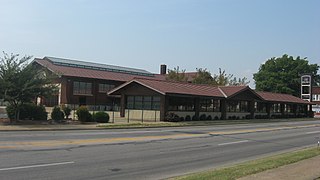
(119, 88)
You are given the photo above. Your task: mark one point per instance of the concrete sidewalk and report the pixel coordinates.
(46, 127)
(308, 169)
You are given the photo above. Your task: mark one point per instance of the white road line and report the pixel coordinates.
(36, 166)
(236, 142)
(313, 132)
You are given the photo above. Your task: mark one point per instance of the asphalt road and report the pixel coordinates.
(153, 153)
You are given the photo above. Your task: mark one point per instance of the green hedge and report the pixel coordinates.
(83, 114)
(101, 117)
(28, 111)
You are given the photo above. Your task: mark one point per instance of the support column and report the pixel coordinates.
(197, 108)
(251, 109)
(223, 109)
(163, 107)
(122, 105)
(268, 109)
(282, 109)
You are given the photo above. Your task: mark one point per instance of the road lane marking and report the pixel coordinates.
(54, 143)
(36, 166)
(236, 142)
(313, 132)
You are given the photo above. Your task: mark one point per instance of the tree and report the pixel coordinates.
(21, 82)
(203, 77)
(282, 74)
(221, 79)
(239, 81)
(177, 75)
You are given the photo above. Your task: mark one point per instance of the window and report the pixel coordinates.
(276, 108)
(103, 88)
(238, 106)
(316, 97)
(82, 88)
(288, 108)
(210, 105)
(181, 104)
(260, 107)
(143, 102)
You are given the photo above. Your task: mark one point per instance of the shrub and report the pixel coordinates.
(67, 111)
(172, 117)
(57, 114)
(181, 118)
(28, 111)
(83, 114)
(188, 118)
(209, 117)
(216, 118)
(101, 117)
(202, 117)
(194, 118)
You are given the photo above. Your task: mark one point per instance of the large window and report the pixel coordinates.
(260, 107)
(288, 108)
(276, 108)
(103, 88)
(210, 105)
(238, 106)
(181, 104)
(143, 102)
(84, 88)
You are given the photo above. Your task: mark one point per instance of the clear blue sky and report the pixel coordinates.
(236, 35)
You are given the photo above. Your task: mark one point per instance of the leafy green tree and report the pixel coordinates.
(239, 81)
(282, 74)
(203, 77)
(177, 75)
(221, 79)
(21, 82)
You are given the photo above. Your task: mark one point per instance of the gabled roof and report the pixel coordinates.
(173, 87)
(232, 90)
(277, 97)
(74, 68)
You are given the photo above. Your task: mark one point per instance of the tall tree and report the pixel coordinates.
(282, 74)
(21, 82)
(203, 77)
(239, 81)
(221, 79)
(177, 75)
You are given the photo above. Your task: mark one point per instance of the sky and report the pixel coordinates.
(235, 35)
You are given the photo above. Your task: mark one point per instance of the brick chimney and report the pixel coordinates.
(163, 69)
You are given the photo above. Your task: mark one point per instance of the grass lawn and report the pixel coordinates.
(253, 167)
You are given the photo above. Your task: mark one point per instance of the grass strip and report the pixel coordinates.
(253, 167)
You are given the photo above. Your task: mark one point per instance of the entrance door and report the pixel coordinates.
(82, 101)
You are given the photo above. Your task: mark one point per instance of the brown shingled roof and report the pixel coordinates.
(315, 90)
(88, 73)
(172, 87)
(277, 97)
